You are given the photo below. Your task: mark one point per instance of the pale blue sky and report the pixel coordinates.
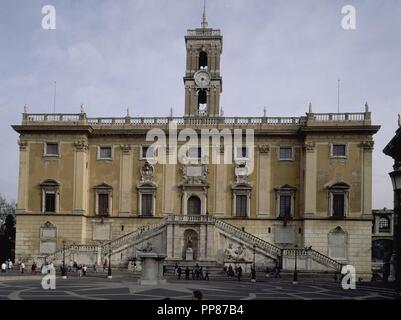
(110, 55)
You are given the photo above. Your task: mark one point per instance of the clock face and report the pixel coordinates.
(202, 78)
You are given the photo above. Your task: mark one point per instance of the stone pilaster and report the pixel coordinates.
(264, 180)
(310, 177)
(22, 204)
(170, 241)
(80, 199)
(202, 242)
(366, 170)
(125, 199)
(220, 185)
(169, 185)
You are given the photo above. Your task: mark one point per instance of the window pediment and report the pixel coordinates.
(285, 187)
(103, 186)
(50, 183)
(148, 185)
(241, 186)
(340, 185)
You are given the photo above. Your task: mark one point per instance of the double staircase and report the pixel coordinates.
(282, 256)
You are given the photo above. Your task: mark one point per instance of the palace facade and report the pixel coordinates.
(88, 186)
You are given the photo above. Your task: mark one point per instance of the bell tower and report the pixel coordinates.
(203, 83)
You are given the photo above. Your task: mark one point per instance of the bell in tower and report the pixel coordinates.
(203, 83)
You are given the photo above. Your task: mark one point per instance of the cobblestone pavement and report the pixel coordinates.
(124, 287)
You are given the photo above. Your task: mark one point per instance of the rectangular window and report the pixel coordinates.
(103, 204)
(241, 206)
(242, 153)
(285, 206)
(338, 205)
(285, 153)
(50, 202)
(339, 150)
(52, 149)
(147, 152)
(105, 153)
(147, 205)
(195, 152)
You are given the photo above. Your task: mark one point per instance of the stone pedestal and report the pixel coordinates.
(189, 255)
(152, 269)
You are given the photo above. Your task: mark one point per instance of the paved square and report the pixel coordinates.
(124, 287)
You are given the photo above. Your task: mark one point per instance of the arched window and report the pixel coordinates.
(384, 224)
(203, 60)
(202, 101)
(337, 239)
(194, 206)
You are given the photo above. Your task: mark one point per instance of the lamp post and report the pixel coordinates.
(253, 269)
(63, 270)
(295, 279)
(109, 276)
(395, 257)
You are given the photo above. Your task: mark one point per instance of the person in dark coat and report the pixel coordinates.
(187, 273)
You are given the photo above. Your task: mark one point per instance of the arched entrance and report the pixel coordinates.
(194, 206)
(190, 250)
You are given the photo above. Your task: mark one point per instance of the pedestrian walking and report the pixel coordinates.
(94, 268)
(179, 273)
(206, 273)
(33, 268)
(3, 267)
(10, 265)
(187, 273)
(84, 269)
(253, 274)
(79, 268)
(201, 273)
(22, 266)
(239, 273)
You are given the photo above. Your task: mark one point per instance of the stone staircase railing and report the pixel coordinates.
(276, 251)
(315, 256)
(135, 235)
(67, 249)
(252, 240)
(141, 232)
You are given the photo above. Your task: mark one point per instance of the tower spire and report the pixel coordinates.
(204, 19)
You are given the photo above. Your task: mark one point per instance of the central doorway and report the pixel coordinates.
(194, 206)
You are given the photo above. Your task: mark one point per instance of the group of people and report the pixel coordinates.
(73, 266)
(231, 272)
(198, 272)
(275, 272)
(7, 266)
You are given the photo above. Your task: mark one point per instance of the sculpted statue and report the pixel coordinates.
(236, 254)
(148, 247)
